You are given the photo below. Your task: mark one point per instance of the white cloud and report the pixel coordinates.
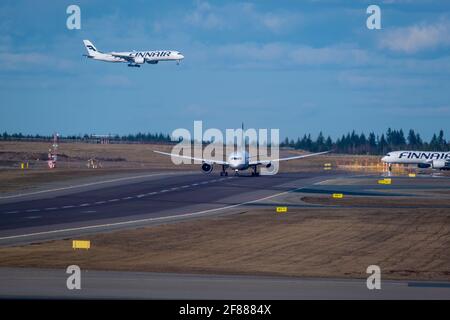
(417, 37)
(240, 15)
(285, 54)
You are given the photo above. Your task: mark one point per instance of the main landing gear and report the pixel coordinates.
(223, 172)
(134, 65)
(255, 172)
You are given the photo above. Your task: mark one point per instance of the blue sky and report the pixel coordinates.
(301, 66)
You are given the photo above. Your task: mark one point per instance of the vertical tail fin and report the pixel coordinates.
(92, 51)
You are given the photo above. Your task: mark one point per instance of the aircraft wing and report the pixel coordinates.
(125, 56)
(210, 161)
(261, 162)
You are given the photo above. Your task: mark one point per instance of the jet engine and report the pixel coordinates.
(138, 60)
(152, 61)
(207, 168)
(423, 165)
(441, 164)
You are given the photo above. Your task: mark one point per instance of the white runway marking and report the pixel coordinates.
(115, 200)
(192, 214)
(87, 185)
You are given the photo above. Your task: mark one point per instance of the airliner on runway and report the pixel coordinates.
(134, 58)
(423, 159)
(238, 160)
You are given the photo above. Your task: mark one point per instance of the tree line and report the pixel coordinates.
(350, 143)
(133, 138)
(354, 143)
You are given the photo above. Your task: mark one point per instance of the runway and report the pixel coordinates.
(121, 203)
(51, 283)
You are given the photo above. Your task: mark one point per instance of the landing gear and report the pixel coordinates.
(236, 172)
(134, 65)
(178, 62)
(223, 172)
(255, 172)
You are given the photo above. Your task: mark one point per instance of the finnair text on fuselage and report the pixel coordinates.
(424, 155)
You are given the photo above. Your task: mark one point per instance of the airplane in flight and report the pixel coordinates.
(423, 159)
(133, 58)
(238, 160)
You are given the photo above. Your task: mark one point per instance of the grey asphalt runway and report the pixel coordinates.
(70, 211)
(51, 283)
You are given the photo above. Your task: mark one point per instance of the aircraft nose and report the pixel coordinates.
(384, 159)
(181, 56)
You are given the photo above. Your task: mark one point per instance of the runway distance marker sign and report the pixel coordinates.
(81, 244)
(385, 181)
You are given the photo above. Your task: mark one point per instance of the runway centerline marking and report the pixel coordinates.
(191, 214)
(88, 184)
(115, 200)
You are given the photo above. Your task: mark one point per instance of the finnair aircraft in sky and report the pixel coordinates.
(133, 58)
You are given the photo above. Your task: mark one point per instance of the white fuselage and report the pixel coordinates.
(436, 160)
(415, 157)
(139, 56)
(239, 160)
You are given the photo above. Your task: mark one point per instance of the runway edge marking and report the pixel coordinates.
(85, 185)
(148, 219)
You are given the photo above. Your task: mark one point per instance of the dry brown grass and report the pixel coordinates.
(406, 244)
(115, 158)
(380, 202)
